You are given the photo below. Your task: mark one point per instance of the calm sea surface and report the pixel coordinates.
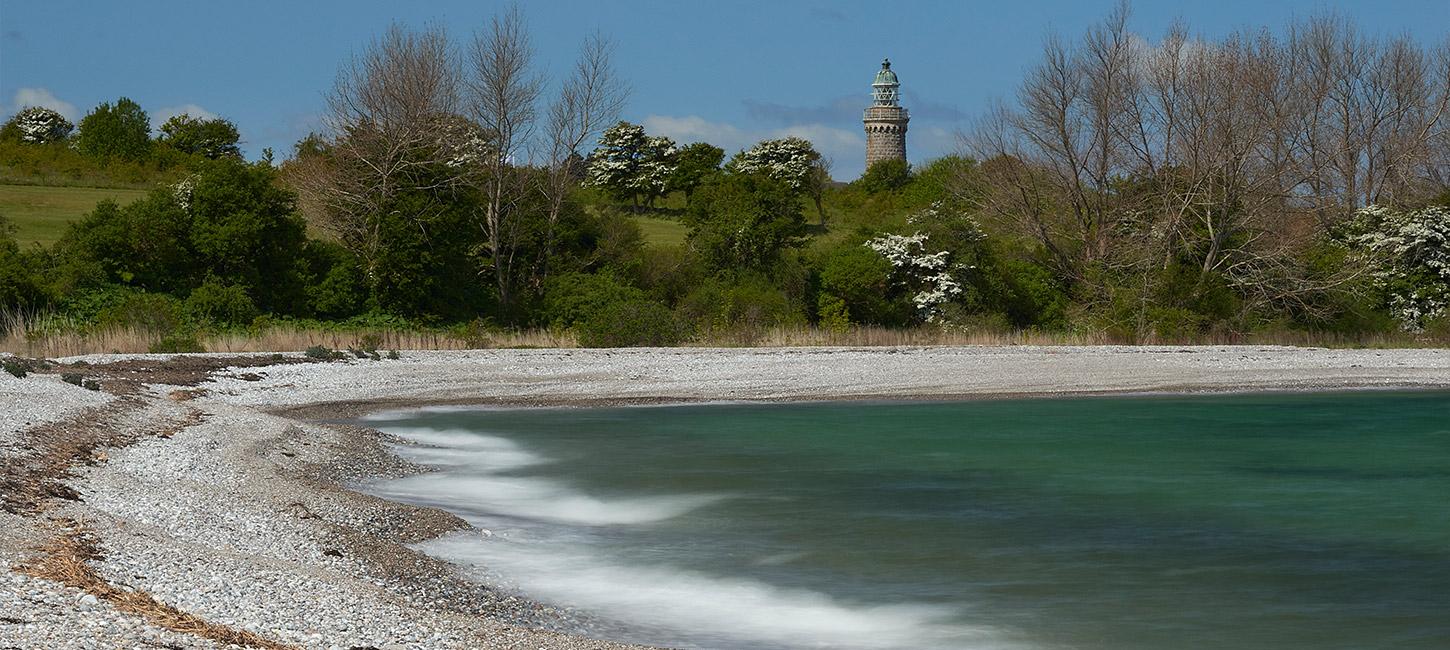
(1253, 521)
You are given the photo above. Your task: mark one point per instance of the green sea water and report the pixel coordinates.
(1230, 521)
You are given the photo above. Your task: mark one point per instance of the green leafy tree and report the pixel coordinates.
(631, 164)
(214, 138)
(120, 131)
(245, 230)
(145, 244)
(231, 221)
(36, 125)
(693, 165)
(744, 221)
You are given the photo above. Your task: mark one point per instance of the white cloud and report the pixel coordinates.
(161, 115)
(836, 145)
(25, 97)
(693, 128)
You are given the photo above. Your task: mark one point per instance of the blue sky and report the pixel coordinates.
(726, 72)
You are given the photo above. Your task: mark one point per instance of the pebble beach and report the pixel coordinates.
(211, 500)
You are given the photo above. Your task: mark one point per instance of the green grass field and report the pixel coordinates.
(41, 213)
(659, 232)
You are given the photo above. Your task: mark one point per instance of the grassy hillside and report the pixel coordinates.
(661, 231)
(40, 213)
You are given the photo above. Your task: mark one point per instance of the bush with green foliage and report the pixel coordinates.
(322, 353)
(15, 367)
(573, 298)
(741, 307)
(885, 176)
(229, 221)
(155, 313)
(22, 286)
(631, 323)
(859, 281)
(215, 303)
(949, 179)
(119, 131)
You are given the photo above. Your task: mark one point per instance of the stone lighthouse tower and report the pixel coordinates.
(885, 119)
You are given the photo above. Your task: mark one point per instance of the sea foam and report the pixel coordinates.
(710, 610)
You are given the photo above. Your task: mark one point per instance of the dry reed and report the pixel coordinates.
(66, 560)
(50, 336)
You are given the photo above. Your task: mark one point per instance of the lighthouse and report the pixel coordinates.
(885, 119)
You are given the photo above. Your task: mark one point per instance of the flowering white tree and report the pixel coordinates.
(792, 161)
(629, 162)
(39, 125)
(928, 273)
(932, 275)
(1408, 254)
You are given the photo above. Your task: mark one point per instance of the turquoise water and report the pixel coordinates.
(1252, 521)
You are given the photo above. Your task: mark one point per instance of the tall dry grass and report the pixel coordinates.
(881, 336)
(48, 335)
(54, 336)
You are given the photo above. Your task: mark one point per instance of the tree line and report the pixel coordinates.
(1165, 190)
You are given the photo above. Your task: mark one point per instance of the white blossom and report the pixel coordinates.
(630, 161)
(39, 125)
(788, 160)
(1409, 258)
(182, 191)
(915, 266)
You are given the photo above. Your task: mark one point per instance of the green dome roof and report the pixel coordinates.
(885, 75)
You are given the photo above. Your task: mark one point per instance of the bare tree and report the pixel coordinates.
(502, 95)
(589, 99)
(1124, 157)
(388, 117)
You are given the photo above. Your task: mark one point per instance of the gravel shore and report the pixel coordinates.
(206, 486)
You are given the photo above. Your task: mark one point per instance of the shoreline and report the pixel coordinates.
(346, 411)
(234, 470)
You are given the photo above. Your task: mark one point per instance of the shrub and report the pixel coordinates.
(149, 312)
(15, 367)
(885, 176)
(744, 222)
(1408, 255)
(73, 378)
(321, 352)
(632, 323)
(226, 305)
(833, 314)
(860, 279)
(572, 298)
(177, 343)
(369, 343)
(742, 309)
(393, 355)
